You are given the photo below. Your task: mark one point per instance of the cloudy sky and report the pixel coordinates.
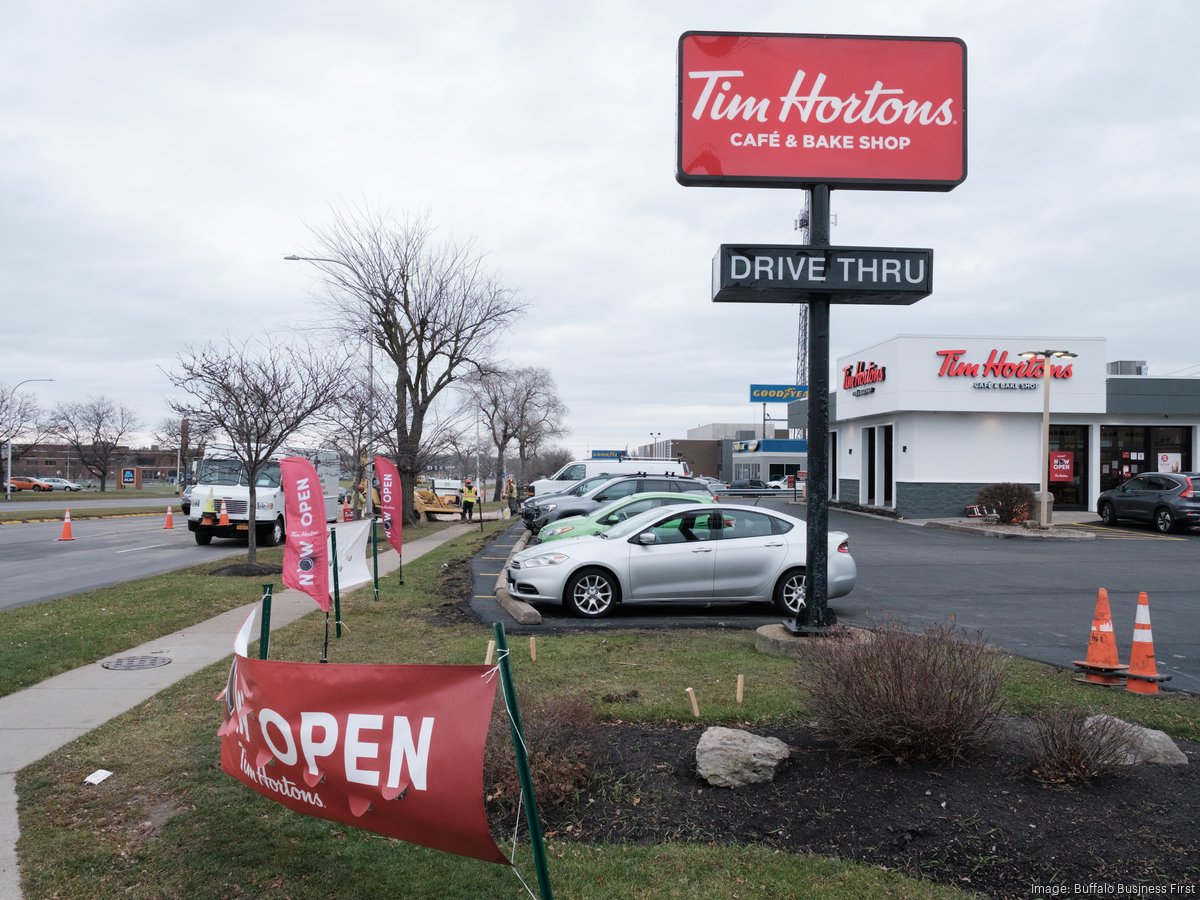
(157, 161)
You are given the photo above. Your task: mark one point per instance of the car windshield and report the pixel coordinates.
(230, 472)
(636, 524)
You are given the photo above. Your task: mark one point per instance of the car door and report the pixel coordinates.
(750, 555)
(678, 564)
(1135, 499)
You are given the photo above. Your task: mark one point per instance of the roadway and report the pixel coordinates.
(36, 565)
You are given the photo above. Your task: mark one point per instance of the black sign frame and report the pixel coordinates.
(794, 273)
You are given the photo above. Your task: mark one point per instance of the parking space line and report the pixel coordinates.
(1124, 534)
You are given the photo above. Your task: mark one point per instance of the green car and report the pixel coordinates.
(618, 511)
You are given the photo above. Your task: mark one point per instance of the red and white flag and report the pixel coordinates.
(391, 501)
(306, 554)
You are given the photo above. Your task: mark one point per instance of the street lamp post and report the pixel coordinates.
(654, 436)
(1046, 356)
(8, 469)
(369, 504)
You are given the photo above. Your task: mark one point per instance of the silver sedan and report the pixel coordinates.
(709, 554)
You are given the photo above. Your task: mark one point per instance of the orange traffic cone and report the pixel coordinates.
(347, 515)
(1143, 677)
(66, 529)
(1102, 665)
(224, 520)
(170, 523)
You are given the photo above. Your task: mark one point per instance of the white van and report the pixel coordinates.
(586, 468)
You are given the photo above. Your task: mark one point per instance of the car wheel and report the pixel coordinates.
(37, 488)
(1108, 515)
(791, 592)
(273, 536)
(1164, 520)
(203, 538)
(591, 593)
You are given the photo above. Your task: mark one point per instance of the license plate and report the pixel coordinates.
(241, 527)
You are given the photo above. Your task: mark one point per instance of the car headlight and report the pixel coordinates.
(562, 530)
(545, 559)
(550, 507)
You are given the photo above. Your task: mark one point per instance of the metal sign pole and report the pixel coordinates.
(815, 616)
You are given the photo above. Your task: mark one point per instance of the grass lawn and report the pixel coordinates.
(170, 823)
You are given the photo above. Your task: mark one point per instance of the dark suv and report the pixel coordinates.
(540, 511)
(1168, 500)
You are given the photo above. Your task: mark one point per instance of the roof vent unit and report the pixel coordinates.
(1128, 367)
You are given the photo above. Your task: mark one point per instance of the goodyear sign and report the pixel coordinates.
(777, 393)
(608, 454)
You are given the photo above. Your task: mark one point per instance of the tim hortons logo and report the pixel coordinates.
(998, 365)
(862, 374)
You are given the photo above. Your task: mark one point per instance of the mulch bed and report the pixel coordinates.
(985, 824)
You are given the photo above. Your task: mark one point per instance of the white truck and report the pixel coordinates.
(573, 472)
(221, 477)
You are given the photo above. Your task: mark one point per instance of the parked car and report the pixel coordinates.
(1168, 500)
(185, 499)
(28, 483)
(689, 554)
(538, 515)
(532, 505)
(610, 514)
(62, 484)
(748, 484)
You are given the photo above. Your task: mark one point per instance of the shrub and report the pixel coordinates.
(560, 759)
(1012, 502)
(1069, 746)
(930, 696)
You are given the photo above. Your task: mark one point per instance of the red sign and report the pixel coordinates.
(306, 553)
(790, 110)
(998, 365)
(390, 501)
(1062, 465)
(397, 750)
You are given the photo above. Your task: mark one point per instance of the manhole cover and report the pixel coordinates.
(137, 662)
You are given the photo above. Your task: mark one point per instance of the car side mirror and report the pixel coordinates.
(646, 538)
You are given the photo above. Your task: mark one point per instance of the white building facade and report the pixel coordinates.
(920, 423)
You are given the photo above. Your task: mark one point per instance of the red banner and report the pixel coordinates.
(306, 553)
(391, 501)
(1062, 465)
(397, 750)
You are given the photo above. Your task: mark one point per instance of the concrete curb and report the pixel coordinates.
(1020, 534)
(518, 609)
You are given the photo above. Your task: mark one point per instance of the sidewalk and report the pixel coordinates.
(39, 720)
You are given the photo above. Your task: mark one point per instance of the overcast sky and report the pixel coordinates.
(157, 161)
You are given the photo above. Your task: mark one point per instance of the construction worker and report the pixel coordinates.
(468, 502)
(510, 495)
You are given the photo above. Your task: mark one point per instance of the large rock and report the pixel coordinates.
(1148, 745)
(729, 757)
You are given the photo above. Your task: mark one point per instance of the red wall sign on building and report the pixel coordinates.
(790, 110)
(1062, 465)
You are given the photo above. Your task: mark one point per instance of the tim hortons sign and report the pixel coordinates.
(794, 110)
(790, 273)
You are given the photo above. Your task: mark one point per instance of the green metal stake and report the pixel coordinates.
(337, 596)
(375, 557)
(514, 724)
(264, 630)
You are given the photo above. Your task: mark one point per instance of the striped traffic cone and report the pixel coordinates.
(66, 529)
(224, 520)
(170, 523)
(1102, 665)
(1143, 677)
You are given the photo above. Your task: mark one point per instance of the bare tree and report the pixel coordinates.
(257, 397)
(95, 429)
(429, 306)
(180, 434)
(21, 418)
(356, 432)
(515, 403)
(539, 413)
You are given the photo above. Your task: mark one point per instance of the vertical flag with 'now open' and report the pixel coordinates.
(306, 554)
(391, 501)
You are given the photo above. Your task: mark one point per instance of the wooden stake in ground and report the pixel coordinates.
(741, 688)
(533, 649)
(491, 651)
(692, 700)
